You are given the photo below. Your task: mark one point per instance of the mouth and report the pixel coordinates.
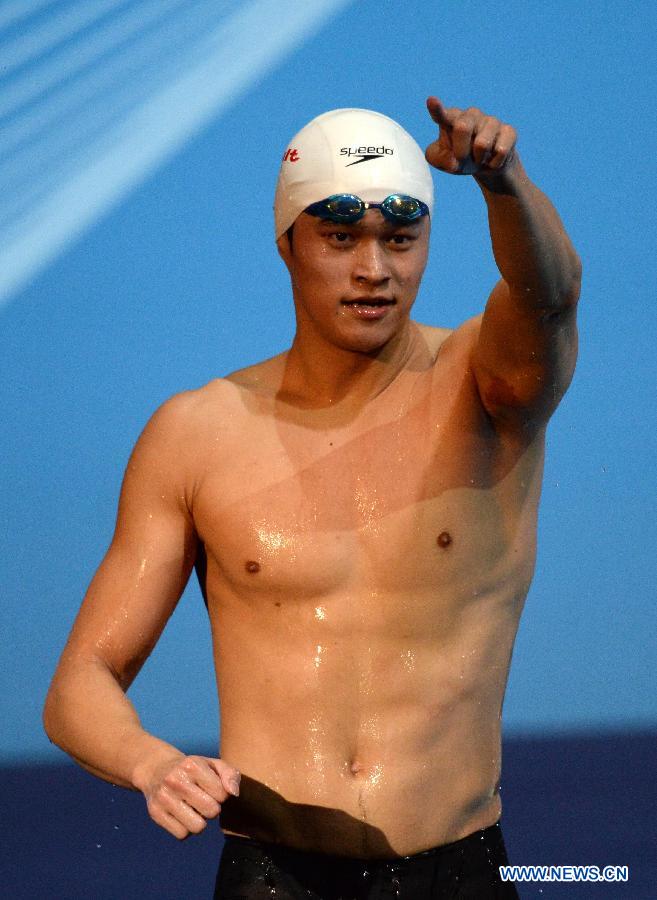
(369, 302)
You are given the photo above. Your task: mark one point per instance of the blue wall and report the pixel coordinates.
(171, 288)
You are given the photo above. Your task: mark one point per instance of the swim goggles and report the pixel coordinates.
(348, 208)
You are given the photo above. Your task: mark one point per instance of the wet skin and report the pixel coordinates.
(361, 661)
(361, 511)
(365, 564)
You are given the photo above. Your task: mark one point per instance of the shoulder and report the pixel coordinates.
(189, 414)
(451, 342)
(463, 338)
(177, 440)
(173, 418)
(263, 378)
(184, 416)
(432, 337)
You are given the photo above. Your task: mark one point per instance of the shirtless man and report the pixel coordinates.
(361, 511)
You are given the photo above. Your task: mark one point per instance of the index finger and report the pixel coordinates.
(441, 114)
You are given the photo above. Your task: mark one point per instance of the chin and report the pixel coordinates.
(367, 339)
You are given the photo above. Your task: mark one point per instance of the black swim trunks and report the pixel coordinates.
(463, 870)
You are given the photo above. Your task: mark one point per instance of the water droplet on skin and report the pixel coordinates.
(408, 659)
(271, 540)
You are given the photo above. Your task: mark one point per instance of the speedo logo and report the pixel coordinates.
(365, 154)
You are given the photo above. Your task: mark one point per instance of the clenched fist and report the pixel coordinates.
(183, 792)
(469, 142)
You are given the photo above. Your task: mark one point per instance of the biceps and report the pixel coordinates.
(132, 595)
(523, 360)
(152, 553)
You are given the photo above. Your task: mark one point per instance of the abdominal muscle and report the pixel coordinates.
(364, 586)
(356, 739)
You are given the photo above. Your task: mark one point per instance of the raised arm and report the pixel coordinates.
(524, 354)
(126, 607)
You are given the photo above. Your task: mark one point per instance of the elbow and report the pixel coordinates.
(49, 718)
(55, 714)
(573, 285)
(567, 285)
(565, 295)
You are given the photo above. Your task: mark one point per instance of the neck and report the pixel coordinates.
(319, 374)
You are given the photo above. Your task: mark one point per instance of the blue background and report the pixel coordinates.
(178, 282)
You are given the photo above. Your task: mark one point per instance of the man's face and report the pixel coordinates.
(354, 285)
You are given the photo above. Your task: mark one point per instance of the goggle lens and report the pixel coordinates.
(345, 207)
(402, 207)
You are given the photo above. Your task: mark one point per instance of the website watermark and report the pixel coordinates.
(564, 873)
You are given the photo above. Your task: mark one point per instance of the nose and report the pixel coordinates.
(370, 263)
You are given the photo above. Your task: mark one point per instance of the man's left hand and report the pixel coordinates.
(469, 141)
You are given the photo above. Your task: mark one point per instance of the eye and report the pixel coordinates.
(401, 239)
(341, 237)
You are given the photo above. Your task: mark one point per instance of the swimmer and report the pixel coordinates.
(361, 513)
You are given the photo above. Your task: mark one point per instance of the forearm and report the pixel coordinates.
(532, 250)
(89, 716)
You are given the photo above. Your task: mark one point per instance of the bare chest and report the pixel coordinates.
(405, 501)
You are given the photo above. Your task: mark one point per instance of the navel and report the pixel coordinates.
(252, 566)
(444, 539)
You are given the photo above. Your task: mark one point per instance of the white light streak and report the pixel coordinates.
(234, 53)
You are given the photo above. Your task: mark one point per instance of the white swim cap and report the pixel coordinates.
(349, 151)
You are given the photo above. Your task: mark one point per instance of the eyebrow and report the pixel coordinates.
(358, 226)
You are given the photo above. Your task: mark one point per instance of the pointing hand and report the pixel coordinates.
(469, 142)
